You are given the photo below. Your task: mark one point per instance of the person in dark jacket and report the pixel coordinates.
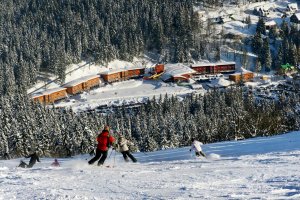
(6, 156)
(123, 148)
(33, 158)
(105, 140)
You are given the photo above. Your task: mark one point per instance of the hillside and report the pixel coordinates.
(260, 168)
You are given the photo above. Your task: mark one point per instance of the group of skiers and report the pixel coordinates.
(105, 141)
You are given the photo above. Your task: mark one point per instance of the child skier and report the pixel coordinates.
(55, 163)
(196, 145)
(123, 148)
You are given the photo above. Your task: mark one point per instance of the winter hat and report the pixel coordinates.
(106, 127)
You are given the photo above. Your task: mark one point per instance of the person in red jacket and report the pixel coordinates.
(105, 140)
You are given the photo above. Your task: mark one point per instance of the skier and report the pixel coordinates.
(123, 148)
(22, 164)
(6, 156)
(33, 158)
(196, 145)
(105, 140)
(55, 163)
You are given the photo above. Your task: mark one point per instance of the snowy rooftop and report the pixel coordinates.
(293, 6)
(270, 23)
(47, 92)
(113, 71)
(172, 70)
(80, 80)
(243, 71)
(221, 82)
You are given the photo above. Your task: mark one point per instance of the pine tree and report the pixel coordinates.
(266, 55)
(261, 28)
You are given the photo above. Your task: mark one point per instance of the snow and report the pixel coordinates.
(177, 70)
(80, 80)
(258, 168)
(125, 92)
(221, 82)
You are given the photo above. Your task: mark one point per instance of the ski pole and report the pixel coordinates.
(110, 154)
(114, 159)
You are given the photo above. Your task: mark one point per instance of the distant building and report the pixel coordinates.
(262, 11)
(177, 72)
(245, 76)
(220, 83)
(270, 24)
(221, 19)
(292, 7)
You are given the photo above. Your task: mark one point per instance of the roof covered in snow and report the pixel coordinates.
(47, 92)
(80, 80)
(243, 71)
(221, 82)
(293, 6)
(113, 71)
(176, 70)
(270, 23)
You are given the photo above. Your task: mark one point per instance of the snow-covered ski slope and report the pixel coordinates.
(260, 168)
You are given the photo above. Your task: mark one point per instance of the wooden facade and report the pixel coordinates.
(246, 76)
(51, 95)
(133, 73)
(74, 89)
(82, 84)
(38, 98)
(93, 82)
(111, 77)
(159, 68)
(200, 69)
(223, 67)
(120, 75)
(214, 68)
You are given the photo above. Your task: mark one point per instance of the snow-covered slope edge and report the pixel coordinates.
(260, 168)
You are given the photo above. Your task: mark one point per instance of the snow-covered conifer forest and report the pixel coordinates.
(45, 36)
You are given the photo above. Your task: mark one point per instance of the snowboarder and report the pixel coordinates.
(105, 140)
(123, 148)
(55, 163)
(33, 158)
(196, 145)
